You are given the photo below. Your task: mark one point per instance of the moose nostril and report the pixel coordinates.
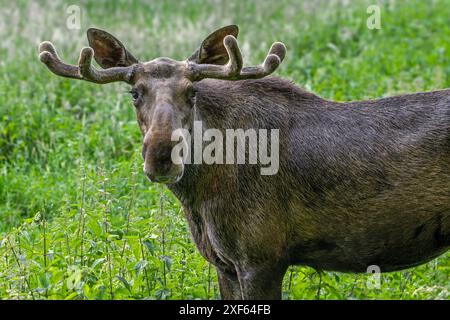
(165, 167)
(166, 159)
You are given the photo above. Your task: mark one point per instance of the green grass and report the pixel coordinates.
(78, 219)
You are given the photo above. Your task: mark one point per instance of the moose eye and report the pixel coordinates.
(134, 94)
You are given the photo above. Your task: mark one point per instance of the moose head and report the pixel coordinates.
(162, 89)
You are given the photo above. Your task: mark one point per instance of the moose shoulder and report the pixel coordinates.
(359, 184)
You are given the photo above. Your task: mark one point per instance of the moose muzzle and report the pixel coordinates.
(157, 153)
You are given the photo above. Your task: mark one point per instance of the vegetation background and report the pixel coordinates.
(78, 218)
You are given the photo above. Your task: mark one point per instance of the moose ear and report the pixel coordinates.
(212, 50)
(108, 51)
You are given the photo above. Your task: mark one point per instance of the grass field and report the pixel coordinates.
(78, 218)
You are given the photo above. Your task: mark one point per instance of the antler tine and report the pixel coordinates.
(274, 58)
(49, 56)
(229, 71)
(85, 70)
(233, 69)
(90, 73)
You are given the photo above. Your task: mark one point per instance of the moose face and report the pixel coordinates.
(162, 89)
(163, 96)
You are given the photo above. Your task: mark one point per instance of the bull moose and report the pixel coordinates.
(359, 183)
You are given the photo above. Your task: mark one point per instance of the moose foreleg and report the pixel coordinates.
(229, 285)
(261, 282)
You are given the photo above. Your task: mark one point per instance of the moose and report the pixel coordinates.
(359, 184)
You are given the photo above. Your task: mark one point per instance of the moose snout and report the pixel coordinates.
(158, 163)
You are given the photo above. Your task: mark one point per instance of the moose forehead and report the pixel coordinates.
(162, 68)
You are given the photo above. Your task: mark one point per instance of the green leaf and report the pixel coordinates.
(125, 283)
